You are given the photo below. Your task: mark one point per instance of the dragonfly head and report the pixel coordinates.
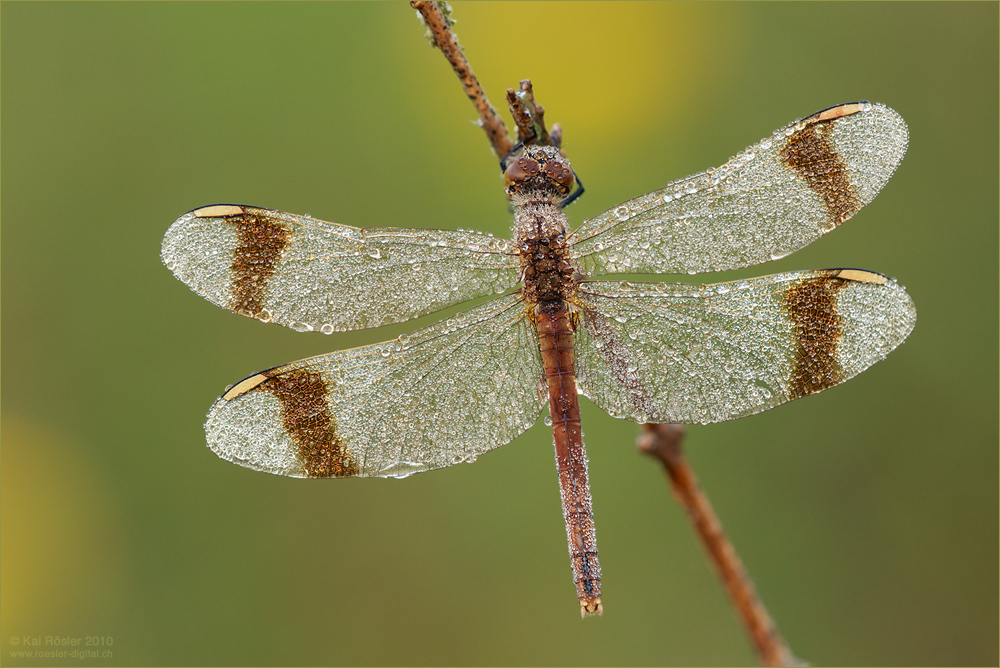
(541, 173)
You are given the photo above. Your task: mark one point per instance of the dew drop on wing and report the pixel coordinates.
(764, 388)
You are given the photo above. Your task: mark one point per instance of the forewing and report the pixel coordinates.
(309, 275)
(770, 200)
(656, 352)
(439, 396)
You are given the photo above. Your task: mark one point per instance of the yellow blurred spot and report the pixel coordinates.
(600, 68)
(58, 560)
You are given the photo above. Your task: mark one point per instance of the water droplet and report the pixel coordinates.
(375, 253)
(326, 328)
(764, 388)
(548, 420)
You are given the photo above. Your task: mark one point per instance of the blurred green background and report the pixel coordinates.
(867, 515)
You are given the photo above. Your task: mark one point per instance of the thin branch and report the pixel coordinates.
(522, 117)
(438, 23)
(555, 136)
(529, 116)
(538, 111)
(663, 442)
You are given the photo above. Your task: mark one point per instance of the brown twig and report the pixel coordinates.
(522, 117)
(663, 441)
(439, 23)
(555, 136)
(529, 116)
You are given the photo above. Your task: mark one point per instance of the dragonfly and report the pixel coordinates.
(648, 352)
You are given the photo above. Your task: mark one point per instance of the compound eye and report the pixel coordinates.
(519, 171)
(561, 173)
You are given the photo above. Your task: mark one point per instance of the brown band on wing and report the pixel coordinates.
(307, 419)
(812, 306)
(810, 152)
(261, 241)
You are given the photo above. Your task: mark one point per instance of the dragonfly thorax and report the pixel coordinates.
(537, 183)
(546, 269)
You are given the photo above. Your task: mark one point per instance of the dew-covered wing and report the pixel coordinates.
(661, 352)
(770, 200)
(310, 275)
(439, 396)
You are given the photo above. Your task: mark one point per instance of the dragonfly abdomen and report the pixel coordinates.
(555, 342)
